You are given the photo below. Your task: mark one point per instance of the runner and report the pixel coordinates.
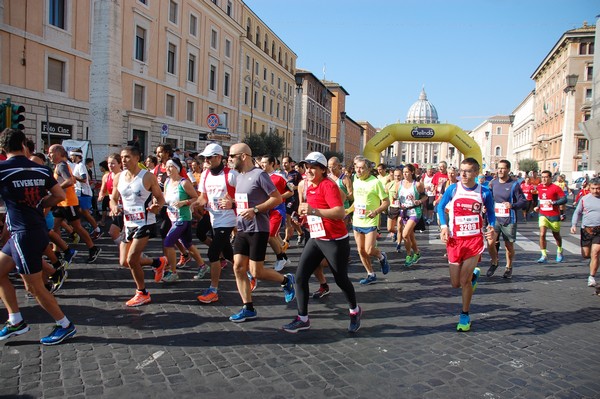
(136, 187)
(409, 196)
(534, 181)
(255, 196)
(527, 187)
(393, 212)
(427, 180)
(27, 188)
(462, 232)
(84, 192)
(550, 197)
(217, 184)
(508, 197)
(329, 240)
(291, 204)
(589, 207)
(370, 200)
(114, 168)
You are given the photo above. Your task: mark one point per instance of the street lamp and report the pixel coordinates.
(511, 119)
(342, 138)
(571, 82)
(297, 142)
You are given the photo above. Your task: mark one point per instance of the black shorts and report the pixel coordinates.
(589, 236)
(69, 213)
(117, 221)
(393, 212)
(26, 249)
(252, 245)
(291, 207)
(135, 233)
(203, 227)
(430, 203)
(106, 203)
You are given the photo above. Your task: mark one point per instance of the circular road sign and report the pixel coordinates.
(212, 121)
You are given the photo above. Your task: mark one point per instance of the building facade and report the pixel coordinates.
(520, 136)
(492, 137)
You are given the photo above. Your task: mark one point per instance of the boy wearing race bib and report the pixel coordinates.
(462, 231)
(550, 197)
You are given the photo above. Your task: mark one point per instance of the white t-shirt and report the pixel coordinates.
(79, 170)
(215, 189)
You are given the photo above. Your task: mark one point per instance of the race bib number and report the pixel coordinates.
(316, 227)
(467, 226)
(546, 205)
(360, 210)
(241, 201)
(396, 203)
(411, 212)
(173, 213)
(134, 214)
(215, 204)
(501, 210)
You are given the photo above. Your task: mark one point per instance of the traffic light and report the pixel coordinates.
(16, 116)
(2, 117)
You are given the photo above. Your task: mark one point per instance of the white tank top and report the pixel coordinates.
(136, 199)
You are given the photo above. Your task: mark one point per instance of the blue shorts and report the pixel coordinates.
(50, 220)
(85, 202)
(364, 230)
(26, 248)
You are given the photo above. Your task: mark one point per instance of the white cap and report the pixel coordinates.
(212, 149)
(79, 153)
(316, 158)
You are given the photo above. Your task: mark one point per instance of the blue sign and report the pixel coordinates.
(554, 164)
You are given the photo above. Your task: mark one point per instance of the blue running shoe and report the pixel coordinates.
(10, 331)
(398, 247)
(464, 323)
(69, 255)
(542, 259)
(475, 278)
(370, 279)
(355, 321)
(385, 266)
(296, 325)
(59, 334)
(559, 257)
(243, 315)
(288, 288)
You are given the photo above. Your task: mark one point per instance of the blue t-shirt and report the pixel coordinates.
(23, 184)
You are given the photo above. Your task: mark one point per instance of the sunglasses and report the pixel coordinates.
(235, 155)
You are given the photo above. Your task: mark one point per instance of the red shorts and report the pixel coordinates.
(274, 222)
(462, 249)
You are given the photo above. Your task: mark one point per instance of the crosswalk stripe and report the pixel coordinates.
(568, 246)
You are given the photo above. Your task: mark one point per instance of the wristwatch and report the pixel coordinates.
(255, 209)
(313, 212)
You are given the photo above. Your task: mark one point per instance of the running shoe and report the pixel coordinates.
(58, 278)
(94, 252)
(209, 295)
(253, 281)
(75, 238)
(321, 292)
(395, 237)
(183, 260)
(69, 255)
(10, 331)
(138, 299)
(296, 325)
(204, 268)
(563, 217)
(170, 277)
(409, 261)
(591, 281)
(160, 270)
(385, 266)
(559, 257)
(243, 315)
(370, 279)
(288, 288)
(96, 234)
(491, 270)
(285, 246)
(542, 259)
(299, 239)
(475, 278)
(416, 258)
(507, 273)
(59, 334)
(464, 323)
(355, 320)
(279, 265)
(398, 247)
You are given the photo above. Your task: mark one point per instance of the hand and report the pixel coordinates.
(444, 234)
(507, 205)
(573, 229)
(489, 234)
(247, 214)
(225, 203)
(536, 209)
(303, 209)
(372, 214)
(154, 207)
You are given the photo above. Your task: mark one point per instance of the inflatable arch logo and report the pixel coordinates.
(430, 133)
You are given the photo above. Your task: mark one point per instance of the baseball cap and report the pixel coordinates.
(212, 149)
(316, 158)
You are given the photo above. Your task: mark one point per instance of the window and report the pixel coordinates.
(193, 25)
(214, 39)
(257, 68)
(226, 84)
(139, 97)
(145, 2)
(192, 68)
(264, 103)
(227, 48)
(497, 151)
(56, 75)
(589, 71)
(229, 8)
(225, 120)
(271, 107)
(173, 11)
(583, 48)
(56, 13)
(588, 94)
(171, 57)
(582, 145)
(279, 83)
(170, 106)
(255, 100)
(265, 74)
(211, 110)
(190, 111)
(498, 130)
(272, 78)
(247, 62)
(277, 110)
(212, 78)
(140, 44)
(215, 2)
(246, 92)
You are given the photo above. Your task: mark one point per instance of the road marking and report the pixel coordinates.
(150, 360)
(568, 247)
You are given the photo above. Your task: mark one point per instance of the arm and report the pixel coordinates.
(151, 184)
(576, 215)
(441, 207)
(562, 199)
(519, 198)
(69, 180)
(114, 196)
(56, 195)
(348, 183)
(103, 191)
(488, 200)
(190, 191)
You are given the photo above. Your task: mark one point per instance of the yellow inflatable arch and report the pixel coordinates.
(428, 132)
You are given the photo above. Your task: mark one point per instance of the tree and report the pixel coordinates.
(528, 164)
(339, 155)
(265, 144)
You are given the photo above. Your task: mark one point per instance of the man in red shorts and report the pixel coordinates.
(462, 231)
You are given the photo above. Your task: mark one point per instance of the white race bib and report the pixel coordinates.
(360, 210)
(173, 213)
(134, 214)
(501, 210)
(316, 227)
(241, 201)
(467, 225)
(546, 205)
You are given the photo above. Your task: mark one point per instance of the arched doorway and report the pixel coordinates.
(430, 133)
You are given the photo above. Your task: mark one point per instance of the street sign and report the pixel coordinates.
(164, 130)
(554, 164)
(212, 121)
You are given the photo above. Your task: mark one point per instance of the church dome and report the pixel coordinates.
(422, 111)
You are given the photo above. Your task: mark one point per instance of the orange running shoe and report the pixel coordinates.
(253, 281)
(209, 295)
(160, 270)
(138, 299)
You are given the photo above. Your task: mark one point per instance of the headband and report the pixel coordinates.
(170, 162)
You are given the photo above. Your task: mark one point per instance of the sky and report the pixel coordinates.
(474, 58)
